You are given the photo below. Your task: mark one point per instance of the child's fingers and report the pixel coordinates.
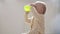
(33, 5)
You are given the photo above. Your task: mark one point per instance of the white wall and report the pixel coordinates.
(12, 15)
(52, 10)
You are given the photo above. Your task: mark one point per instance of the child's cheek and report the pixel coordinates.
(39, 10)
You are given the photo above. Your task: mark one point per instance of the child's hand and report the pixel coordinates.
(27, 12)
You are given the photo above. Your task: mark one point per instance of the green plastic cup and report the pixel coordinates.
(27, 8)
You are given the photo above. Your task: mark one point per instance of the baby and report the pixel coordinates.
(37, 20)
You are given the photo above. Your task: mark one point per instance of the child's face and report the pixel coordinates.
(40, 8)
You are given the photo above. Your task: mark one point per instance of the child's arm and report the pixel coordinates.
(27, 19)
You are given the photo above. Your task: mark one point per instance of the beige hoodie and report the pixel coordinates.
(36, 22)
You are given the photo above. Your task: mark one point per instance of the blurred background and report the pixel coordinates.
(12, 15)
